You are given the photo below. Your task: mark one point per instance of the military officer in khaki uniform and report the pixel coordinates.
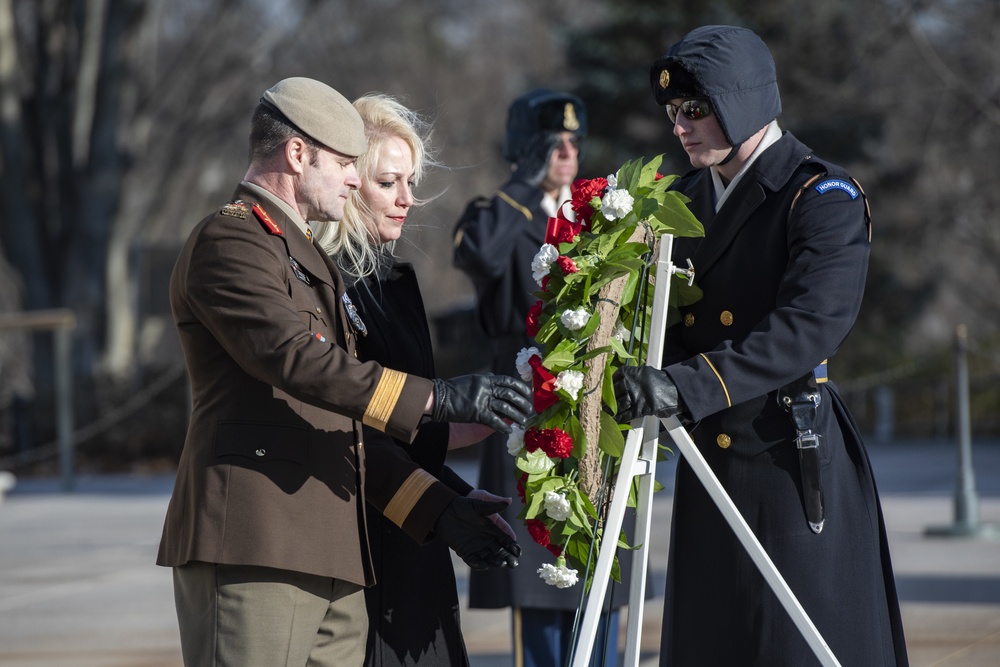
(266, 526)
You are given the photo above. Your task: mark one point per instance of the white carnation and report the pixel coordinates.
(560, 577)
(556, 506)
(521, 362)
(612, 180)
(571, 382)
(515, 441)
(574, 320)
(542, 261)
(616, 204)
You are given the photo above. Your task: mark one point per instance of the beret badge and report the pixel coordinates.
(570, 121)
(664, 79)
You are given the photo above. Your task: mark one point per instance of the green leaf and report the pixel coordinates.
(650, 168)
(608, 389)
(534, 463)
(561, 357)
(619, 349)
(678, 218)
(579, 436)
(611, 441)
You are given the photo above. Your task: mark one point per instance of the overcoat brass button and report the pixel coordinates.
(689, 320)
(260, 452)
(318, 310)
(724, 441)
(726, 318)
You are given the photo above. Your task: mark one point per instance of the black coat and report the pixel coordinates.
(781, 294)
(495, 241)
(413, 608)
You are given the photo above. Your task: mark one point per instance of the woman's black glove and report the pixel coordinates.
(482, 399)
(465, 526)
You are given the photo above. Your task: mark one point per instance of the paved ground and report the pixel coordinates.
(78, 588)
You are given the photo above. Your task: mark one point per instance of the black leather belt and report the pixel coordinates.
(801, 400)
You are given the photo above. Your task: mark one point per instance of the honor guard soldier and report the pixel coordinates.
(782, 266)
(265, 530)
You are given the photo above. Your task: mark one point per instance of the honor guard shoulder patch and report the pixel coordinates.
(235, 209)
(837, 184)
(265, 220)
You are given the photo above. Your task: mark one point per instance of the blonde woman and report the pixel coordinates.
(413, 610)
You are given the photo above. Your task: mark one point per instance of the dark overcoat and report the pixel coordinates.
(495, 241)
(413, 609)
(781, 293)
(273, 470)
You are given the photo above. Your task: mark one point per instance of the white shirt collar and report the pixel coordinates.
(551, 206)
(722, 191)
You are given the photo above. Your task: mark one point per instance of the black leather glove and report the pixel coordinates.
(644, 390)
(482, 399)
(466, 528)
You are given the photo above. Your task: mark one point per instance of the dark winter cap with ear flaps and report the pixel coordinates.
(533, 121)
(731, 67)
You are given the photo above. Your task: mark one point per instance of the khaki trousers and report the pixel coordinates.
(245, 616)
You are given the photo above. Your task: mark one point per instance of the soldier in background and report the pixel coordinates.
(495, 241)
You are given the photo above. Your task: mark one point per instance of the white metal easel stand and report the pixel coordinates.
(639, 460)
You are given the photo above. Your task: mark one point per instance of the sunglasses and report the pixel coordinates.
(692, 109)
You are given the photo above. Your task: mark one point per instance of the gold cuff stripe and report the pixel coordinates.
(407, 495)
(383, 402)
(729, 401)
(510, 200)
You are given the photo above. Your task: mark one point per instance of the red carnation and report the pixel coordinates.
(658, 176)
(583, 192)
(554, 549)
(556, 443)
(566, 264)
(545, 283)
(532, 322)
(532, 439)
(538, 531)
(543, 383)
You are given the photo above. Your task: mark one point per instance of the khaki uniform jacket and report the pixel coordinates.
(273, 470)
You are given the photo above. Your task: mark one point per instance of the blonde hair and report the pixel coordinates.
(353, 241)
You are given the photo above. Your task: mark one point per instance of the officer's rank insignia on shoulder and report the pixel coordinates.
(235, 209)
(836, 184)
(297, 270)
(265, 220)
(352, 316)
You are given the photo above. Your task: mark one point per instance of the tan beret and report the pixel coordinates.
(319, 112)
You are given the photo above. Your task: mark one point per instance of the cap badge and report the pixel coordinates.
(352, 315)
(664, 79)
(570, 121)
(235, 209)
